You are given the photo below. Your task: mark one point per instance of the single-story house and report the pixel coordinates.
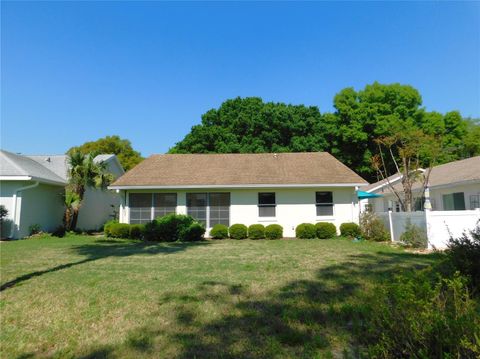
(285, 188)
(453, 186)
(31, 189)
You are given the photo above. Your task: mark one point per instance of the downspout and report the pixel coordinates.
(12, 230)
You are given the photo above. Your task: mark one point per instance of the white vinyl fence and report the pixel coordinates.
(438, 225)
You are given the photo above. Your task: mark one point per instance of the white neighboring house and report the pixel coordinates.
(453, 186)
(285, 188)
(31, 189)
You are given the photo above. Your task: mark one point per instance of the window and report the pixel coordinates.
(140, 207)
(164, 203)
(324, 202)
(266, 204)
(454, 201)
(197, 206)
(144, 207)
(219, 204)
(474, 201)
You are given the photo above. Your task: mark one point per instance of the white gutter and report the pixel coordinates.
(240, 186)
(14, 210)
(15, 178)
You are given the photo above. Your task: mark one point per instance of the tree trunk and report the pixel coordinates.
(73, 224)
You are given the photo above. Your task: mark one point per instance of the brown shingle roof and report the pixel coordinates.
(239, 169)
(466, 170)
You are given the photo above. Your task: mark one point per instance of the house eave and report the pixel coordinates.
(238, 186)
(31, 178)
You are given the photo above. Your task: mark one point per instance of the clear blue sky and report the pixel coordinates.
(73, 72)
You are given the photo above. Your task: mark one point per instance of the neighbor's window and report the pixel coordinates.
(324, 203)
(474, 201)
(454, 201)
(164, 203)
(219, 205)
(140, 207)
(266, 204)
(197, 206)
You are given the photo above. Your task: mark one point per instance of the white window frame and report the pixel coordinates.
(329, 216)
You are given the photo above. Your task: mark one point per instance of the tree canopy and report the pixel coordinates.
(122, 148)
(244, 125)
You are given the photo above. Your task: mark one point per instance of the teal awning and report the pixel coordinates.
(363, 194)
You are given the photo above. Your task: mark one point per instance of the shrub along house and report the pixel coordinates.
(286, 188)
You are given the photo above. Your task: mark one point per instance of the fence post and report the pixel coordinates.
(427, 225)
(390, 224)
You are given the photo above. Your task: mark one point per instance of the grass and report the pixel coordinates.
(88, 297)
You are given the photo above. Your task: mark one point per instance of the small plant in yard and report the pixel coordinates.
(414, 236)
(421, 315)
(325, 230)
(119, 230)
(169, 228)
(464, 254)
(193, 233)
(136, 231)
(305, 231)
(59, 232)
(107, 226)
(273, 231)
(219, 231)
(372, 228)
(34, 229)
(256, 231)
(349, 229)
(238, 231)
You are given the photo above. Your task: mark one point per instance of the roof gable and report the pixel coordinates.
(177, 170)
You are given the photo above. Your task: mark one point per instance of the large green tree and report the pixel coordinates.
(122, 148)
(249, 125)
(350, 133)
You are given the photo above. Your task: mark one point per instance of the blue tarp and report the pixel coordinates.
(363, 194)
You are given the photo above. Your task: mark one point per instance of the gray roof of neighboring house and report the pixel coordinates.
(236, 169)
(46, 168)
(12, 164)
(462, 171)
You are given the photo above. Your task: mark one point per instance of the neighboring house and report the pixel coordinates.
(453, 186)
(31, 188)
(284, 188)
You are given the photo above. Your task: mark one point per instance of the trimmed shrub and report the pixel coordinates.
(273, 231)
(349, 229)
(193, 233)
(372, 228)
(238, 231)
(414, 236)
(219, 231)
(421, 315)
(136, 231)
(325, 230)
(256, 231)
(119, 230)
(305, 231)
(169, 228)
(464, 254)
(107, 225)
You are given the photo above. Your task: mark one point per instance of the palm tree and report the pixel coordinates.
(83, 173)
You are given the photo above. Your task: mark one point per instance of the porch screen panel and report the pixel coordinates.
(164, 203)
(197, 206)
(140, 207)
(219, 209)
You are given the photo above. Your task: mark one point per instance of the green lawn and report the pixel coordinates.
(90, 297)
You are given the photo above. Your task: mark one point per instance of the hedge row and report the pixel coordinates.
(325, 230)
(240, 231)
